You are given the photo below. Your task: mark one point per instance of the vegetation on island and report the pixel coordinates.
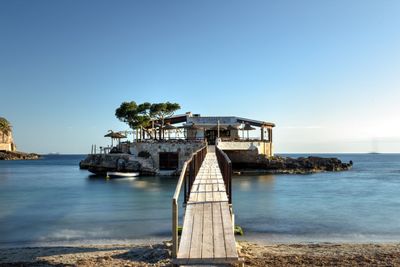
(141, 116)
(5, 126)
(6, 137)
(162, 111)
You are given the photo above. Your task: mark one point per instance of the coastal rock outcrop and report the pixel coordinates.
(303, 165)
(8, 149)
(14, 155)
(288, 165)
(102, 163)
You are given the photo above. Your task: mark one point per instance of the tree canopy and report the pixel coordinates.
(134, 115)
(161, 111)
(5, 126)
(138, 116)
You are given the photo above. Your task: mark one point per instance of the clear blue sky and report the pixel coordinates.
(326, 72)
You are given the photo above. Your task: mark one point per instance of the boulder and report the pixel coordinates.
(102, 163)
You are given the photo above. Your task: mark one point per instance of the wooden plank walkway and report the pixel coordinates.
(207, 236)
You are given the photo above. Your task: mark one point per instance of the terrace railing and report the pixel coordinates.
(225, 165)
(189, 171)
(241, 139)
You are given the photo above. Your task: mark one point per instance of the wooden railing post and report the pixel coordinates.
(185, 188)
(230, 181)
(225, 165)
(175, 217)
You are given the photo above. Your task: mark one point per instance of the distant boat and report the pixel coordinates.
(122, 174)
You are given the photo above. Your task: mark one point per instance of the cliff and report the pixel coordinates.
(7, 141)
(7, 145)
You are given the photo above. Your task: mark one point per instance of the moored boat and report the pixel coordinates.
(122, 174)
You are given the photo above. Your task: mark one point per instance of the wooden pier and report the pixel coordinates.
(208, 228)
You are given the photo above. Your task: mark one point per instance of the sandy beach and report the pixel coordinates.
(322, 254)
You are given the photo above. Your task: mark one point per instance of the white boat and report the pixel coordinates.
(122, 174)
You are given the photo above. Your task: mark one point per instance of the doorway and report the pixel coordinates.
(168, 160)
(211, 135)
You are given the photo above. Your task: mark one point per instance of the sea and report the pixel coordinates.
(52, 202)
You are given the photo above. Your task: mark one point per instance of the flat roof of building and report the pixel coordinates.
(223, 120)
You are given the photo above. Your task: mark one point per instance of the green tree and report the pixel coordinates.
(141, 116)
(5, 127)
(162, 111)
(136, 116)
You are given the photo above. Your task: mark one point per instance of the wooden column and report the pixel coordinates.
(270, 142)
(262, 132)
(269, 134)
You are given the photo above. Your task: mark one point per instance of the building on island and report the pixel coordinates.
(163, 147)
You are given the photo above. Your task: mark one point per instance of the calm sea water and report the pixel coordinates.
(51, 201)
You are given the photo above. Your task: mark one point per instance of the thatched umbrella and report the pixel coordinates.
(247, 127)
(192, 126)
(168, 126)
(115, 135)
(232, 127)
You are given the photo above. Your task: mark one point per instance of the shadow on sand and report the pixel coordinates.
(112, 255)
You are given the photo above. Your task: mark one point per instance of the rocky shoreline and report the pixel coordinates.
(100, 164)
(288, 165)
(159, 254)
(16, 155)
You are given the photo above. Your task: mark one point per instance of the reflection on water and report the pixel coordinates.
(51, 200)
(358, 205)
(268, 178)
(250, 183)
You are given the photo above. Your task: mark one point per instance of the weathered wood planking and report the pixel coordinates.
(207, 236)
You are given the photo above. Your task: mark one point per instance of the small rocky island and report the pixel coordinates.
(8, 149)
(163, 142)
(288, 165)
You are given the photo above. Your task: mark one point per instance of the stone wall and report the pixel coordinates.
(154, 147)
(260, 147)
(7, 142)
(5, 147)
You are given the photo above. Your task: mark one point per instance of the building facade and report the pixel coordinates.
(230, 133)
(163, 148)
(7, 142)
